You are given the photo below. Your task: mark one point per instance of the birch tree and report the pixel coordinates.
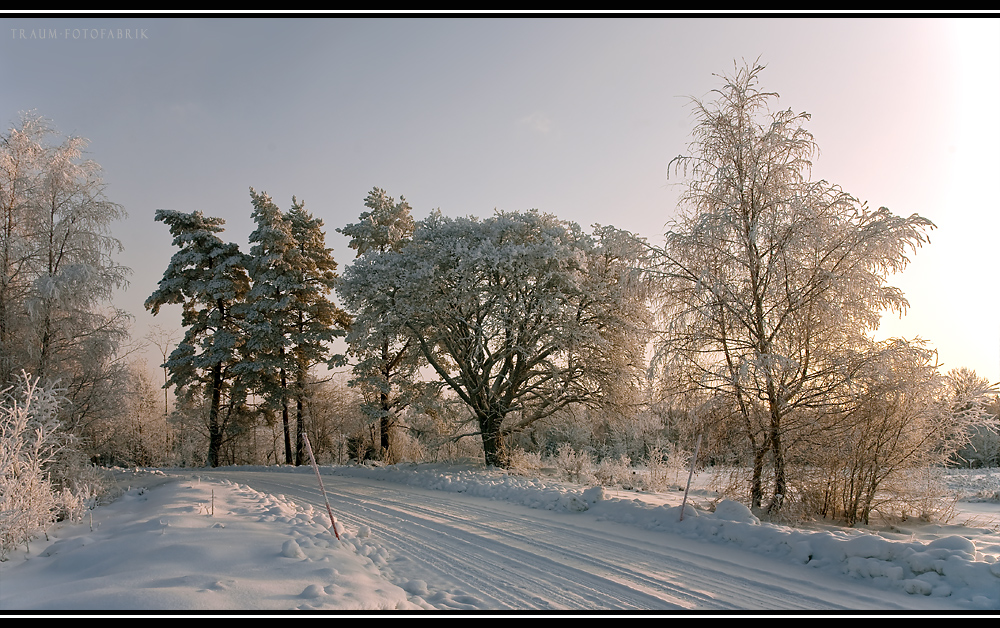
(771, 281)
(58, 271)
(21, 161)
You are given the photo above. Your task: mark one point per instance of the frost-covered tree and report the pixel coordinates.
(386, 226)
(138, 434)
(268, 310)
(516, 314)
(316, 320)
(290, 319)
(969, 400)
(387, 360)
(208, 278)
(21, 161)
(57, 270)
(902, 419)
(771, 280)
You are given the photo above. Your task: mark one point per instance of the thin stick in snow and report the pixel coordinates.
(309, 450)
(694, 457)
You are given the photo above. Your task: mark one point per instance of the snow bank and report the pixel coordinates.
(172, 548)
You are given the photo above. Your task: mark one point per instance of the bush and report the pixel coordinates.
(29, 440)
(575, 466)
(41, 481)
(616, 472)
(525, 463)
(658, 471)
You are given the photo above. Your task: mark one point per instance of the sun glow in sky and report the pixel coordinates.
(576, 117)
(953, 284)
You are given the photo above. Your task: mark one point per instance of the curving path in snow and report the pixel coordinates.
(458, 551)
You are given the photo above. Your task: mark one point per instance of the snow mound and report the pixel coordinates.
(734, 511)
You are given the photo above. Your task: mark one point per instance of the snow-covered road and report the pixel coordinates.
(460, 551)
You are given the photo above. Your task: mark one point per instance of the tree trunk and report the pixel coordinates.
(300, 414)
(385, 423)
(756, 482)
(494, 452)
(300, 451)
(779, 457)
(214, 431)
(6, 356)
(284, 418)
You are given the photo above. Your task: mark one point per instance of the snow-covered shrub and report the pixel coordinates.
(678, 461)
(924, 496)
(523, 462)
(42, 477)
(904, 422)
(29, 440)
(405, 448)
(574, 465)
(658, 471)
(615, 472)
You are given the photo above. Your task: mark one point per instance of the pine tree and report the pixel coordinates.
(272, 273)
(316, 321)
(208, 278)
(290, 319)
(387, 361)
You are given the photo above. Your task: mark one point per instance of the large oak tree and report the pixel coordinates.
(519, 314)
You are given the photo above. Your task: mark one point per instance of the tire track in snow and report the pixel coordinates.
(498, 555)
(666, 579)
(502, 580)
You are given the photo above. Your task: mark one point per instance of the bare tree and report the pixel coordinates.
(163, 340)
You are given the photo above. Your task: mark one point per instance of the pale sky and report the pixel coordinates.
(573, 116)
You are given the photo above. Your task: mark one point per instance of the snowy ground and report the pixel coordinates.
(439, 538)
